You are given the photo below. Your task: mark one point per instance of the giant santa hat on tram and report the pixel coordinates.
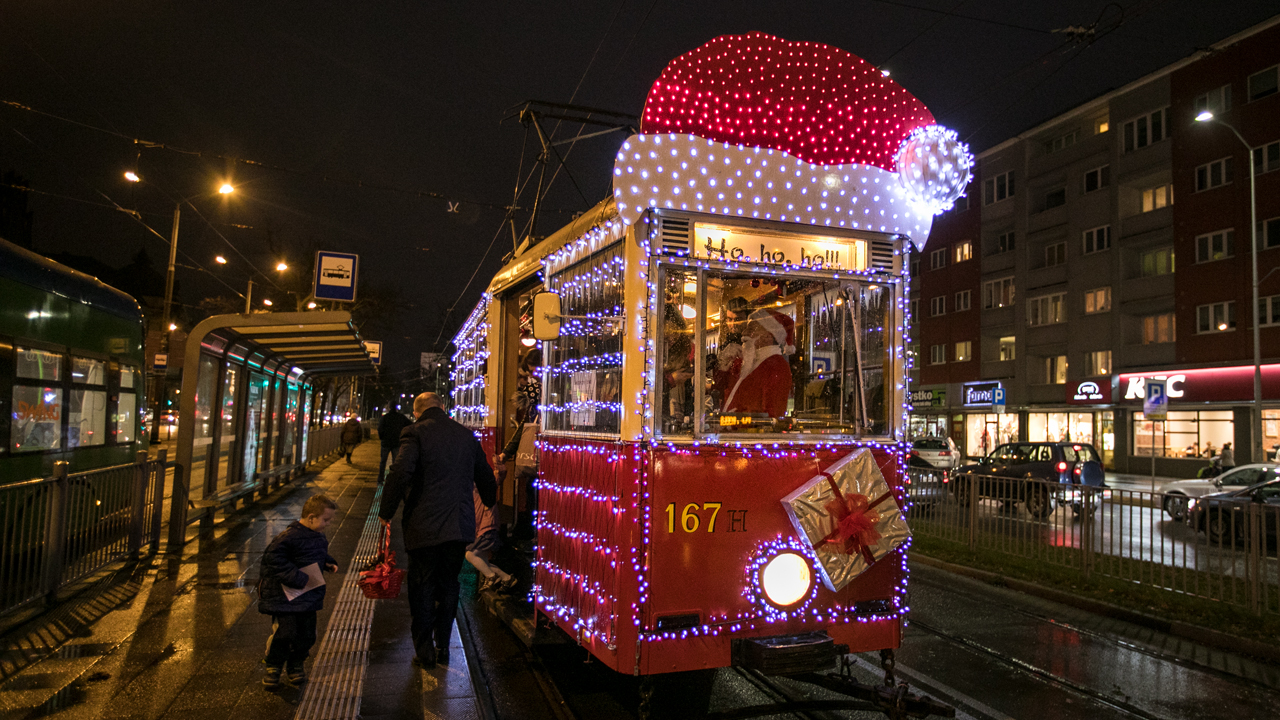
(756, 126)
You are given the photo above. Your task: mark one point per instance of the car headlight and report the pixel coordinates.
(786, 579)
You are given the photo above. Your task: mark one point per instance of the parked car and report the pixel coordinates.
(934, 452)
(1221, 516)
(1177, 493)
(927, 486)
(1040, 475)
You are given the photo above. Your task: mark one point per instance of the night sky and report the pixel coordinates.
(408, 99)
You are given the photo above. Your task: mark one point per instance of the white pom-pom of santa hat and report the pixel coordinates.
(779, 325)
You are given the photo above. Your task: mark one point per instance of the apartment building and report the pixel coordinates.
(1105, 246)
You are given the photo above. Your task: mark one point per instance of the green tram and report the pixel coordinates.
(71, 369)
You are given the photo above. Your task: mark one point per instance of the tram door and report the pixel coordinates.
(520, 388)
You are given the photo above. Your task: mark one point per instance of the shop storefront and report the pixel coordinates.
(1082, 422)
(1208, 407)
(984, 428)
(928, 416)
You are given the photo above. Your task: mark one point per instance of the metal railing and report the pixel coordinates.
(1222, 549)
(60, 529)
(323, 441)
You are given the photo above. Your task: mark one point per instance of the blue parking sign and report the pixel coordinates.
(997, 399)
(1155, 402)
(335, 277)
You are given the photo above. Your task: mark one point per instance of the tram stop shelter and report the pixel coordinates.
(247, 402)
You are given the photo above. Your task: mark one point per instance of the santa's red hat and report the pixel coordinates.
(755, 126)
(779, 325)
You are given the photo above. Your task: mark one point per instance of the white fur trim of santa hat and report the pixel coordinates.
(780, 326)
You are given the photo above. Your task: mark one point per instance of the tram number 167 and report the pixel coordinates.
(690, 520)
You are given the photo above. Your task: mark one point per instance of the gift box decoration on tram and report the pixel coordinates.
(724, 368)
(849, 516)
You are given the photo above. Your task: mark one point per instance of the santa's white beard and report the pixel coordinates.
(748, 355)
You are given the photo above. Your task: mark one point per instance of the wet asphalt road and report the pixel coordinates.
(989, 651)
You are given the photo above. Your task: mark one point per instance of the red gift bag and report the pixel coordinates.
(381, 580)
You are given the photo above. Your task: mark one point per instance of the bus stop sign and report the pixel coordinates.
(374, 348)
(335, 276)
(1156, 401)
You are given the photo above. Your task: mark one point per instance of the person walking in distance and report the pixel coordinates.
(437, 466)
(352, 434)
(389, 427)
(1228, 457)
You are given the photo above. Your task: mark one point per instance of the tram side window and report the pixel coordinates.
(679, 315)
(582, 369)
(87, 411)
(37, 408)
(125, 419)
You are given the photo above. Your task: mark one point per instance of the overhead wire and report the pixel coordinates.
(521, 186)
(922, 33)
(322, 177)
(1094, 35)
(952, 13)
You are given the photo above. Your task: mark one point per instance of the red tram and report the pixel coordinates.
(724, 366)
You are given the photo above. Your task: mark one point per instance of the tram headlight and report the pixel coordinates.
(786, 579)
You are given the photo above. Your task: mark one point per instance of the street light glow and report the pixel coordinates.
(132, 176)
(173, 326)
(1204, 116)
(266, 301)
(281, 266)
(226, 189)
(220, 260)
(311, 305)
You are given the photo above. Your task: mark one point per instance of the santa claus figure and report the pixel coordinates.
(763, 382)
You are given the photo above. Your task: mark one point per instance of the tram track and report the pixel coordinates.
(1117, 641)
(1037, 672)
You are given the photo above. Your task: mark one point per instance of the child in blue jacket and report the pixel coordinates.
(293, 622)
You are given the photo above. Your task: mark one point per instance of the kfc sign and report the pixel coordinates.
(1135, 386)
(1225, 384)
(1088, 392)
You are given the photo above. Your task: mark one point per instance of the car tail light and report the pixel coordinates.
(1077, 469)
(1062, 467)
(945, 453)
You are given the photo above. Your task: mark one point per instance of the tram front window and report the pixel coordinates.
(779, 354)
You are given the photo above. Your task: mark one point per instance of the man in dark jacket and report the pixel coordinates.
(284, 573)
(389, 427)
(436, 467)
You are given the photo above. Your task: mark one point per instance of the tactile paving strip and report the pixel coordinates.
(337, 675)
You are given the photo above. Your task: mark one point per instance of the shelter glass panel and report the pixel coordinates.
(582, 375)
(227, 415)
(290, 421)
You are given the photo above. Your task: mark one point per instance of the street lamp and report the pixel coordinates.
(281, 266)
(224, 189)
(1255, 415)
